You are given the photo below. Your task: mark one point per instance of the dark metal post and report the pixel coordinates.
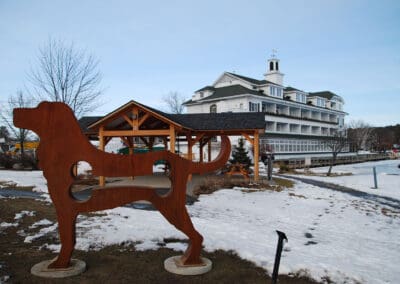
(282, 237)
(269, 167)
(375, 179)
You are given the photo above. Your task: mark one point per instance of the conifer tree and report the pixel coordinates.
(240, 155)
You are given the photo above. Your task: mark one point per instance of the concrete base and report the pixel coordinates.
(40, 269)
(174, 265)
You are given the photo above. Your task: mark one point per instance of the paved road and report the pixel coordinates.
(384, 200)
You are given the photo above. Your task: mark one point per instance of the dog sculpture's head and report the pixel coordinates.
(37, 119)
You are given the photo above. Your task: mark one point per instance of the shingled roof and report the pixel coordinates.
(221, 121)
(85, 121)
(324, 94)
(228, 91)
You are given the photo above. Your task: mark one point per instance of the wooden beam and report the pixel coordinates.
(256, 155)
(128, 120)
(248, 138)
(119, 133)
(102, 180)
(190, 146)
(106, 140)
(143, 119)
(209, 150)
(135, 113)
(172, 139)
(126, 141)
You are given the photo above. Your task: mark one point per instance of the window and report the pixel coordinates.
(201, 94)
(271, 66)
(254, 107)
(275, 91)
(320, 102)
(213, 108)
(264, 107)
(301, 98)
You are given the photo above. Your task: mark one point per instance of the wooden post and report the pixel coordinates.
(256, 155)
(190, 145)
(102, 180)
(209, 150)
(131, 150)
(172, 139)
(201, 150)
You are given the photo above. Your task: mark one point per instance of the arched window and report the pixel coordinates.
(271, 66)
(213, 108)
(276, 66)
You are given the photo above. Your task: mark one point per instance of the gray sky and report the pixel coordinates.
(150, 48)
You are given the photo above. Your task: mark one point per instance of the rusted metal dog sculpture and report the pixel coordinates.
(62, 144)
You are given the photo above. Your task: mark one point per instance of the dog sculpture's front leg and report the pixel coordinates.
(66, 227)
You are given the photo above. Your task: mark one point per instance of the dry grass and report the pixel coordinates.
(214, 183)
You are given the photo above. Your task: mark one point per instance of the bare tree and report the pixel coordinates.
(336, 144)
(174, 102)
(359, 134)
(65, 74)
(20, 134)
(4, 133)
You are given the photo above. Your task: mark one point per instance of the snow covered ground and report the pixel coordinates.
(388, 177)
(331, 234)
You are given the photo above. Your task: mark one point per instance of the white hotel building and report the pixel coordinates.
(296, 121)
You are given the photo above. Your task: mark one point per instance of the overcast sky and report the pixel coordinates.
(150, 48)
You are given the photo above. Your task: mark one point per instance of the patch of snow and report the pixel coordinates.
(176, 246)
(52, 247)
(7, 225)
(147, 245)
(24, 213)
(43, 222)
(25, 178)
(41, 233)
(4, 278)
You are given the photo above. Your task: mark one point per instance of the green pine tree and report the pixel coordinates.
(240, 155)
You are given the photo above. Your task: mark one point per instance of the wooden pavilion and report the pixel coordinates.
(137, 120)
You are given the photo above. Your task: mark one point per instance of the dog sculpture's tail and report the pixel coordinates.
(217, 163)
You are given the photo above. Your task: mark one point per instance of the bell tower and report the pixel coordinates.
(273, 75)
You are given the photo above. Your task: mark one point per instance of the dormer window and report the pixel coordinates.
(201, 95)
(301, 98)
(320, 102)
(275, 91)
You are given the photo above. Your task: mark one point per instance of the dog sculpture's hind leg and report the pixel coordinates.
(170, 210)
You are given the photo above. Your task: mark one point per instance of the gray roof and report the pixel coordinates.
(85, 121)
(209, 88)
(228, 91)
(221, 121)
(291, 89)
(251, 80)
(324, 94)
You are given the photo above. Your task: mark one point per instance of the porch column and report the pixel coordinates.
(102, 180)
(172, 139)
(256, 155)
(209, 150)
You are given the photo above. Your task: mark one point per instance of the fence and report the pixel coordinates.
(296, 163)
